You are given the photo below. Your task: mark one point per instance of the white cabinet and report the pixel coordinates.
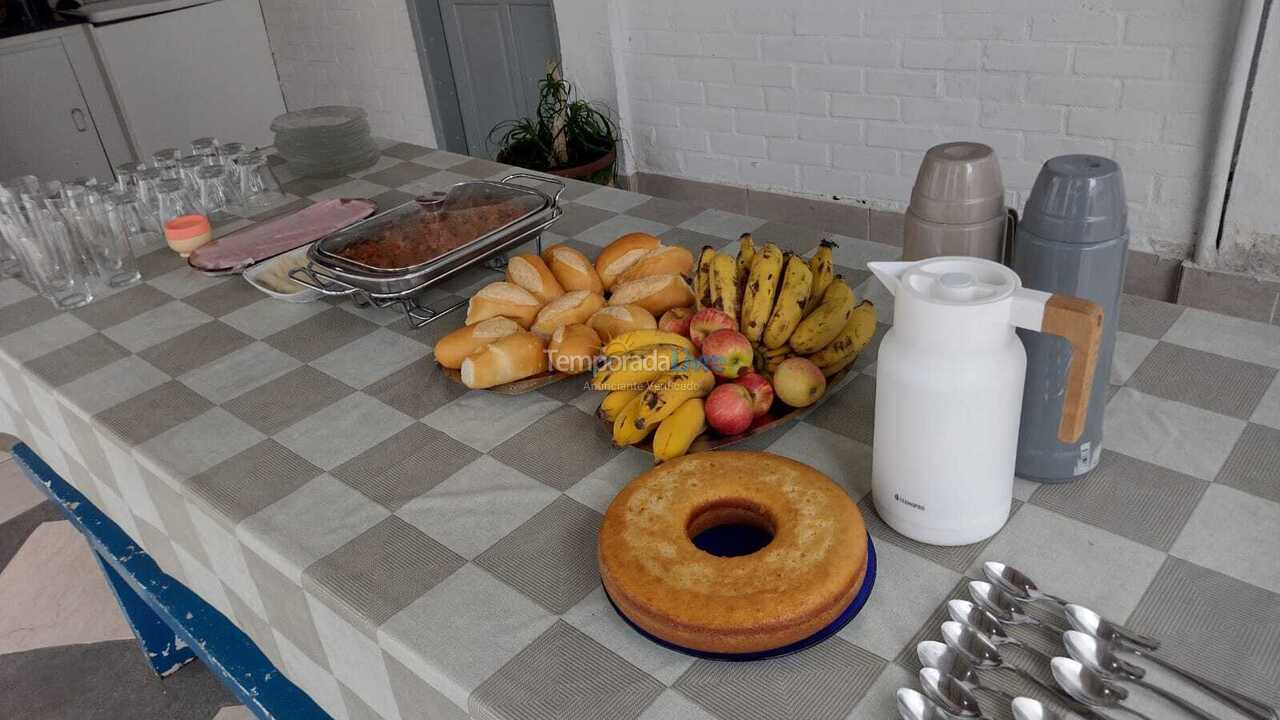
(195, 72)
(56, 120)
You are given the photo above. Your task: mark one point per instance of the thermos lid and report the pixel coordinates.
(958, 183)
(960, 281)
(1077, 199)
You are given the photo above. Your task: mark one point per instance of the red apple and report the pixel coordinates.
(728, 409)
(676, 320)
(798, 382)
(708, 320)
(760, 389)
(728, 353)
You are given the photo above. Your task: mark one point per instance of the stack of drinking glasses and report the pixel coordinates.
(63, 235)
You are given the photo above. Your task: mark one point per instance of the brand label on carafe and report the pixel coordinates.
(908, 503)
(1087, 457)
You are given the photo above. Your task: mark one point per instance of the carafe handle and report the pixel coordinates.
(1080, 322)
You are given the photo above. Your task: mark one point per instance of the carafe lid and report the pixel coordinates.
(959, 281)
(1077, 199)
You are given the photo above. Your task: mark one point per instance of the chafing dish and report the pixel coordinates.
(412, 258)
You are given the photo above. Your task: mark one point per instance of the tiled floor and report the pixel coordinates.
(65, 648)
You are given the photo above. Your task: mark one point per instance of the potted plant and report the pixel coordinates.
(569, 137)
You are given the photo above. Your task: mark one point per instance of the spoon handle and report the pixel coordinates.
(1237, 700)
(1145, 642)
(1175, 699)
(1077, 707)
(1133, 712)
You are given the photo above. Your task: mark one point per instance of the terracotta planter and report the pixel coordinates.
(588, 170)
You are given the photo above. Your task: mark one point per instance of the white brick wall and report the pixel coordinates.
(351, 52)
(841, 97)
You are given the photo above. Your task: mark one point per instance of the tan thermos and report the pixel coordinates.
(957, 205)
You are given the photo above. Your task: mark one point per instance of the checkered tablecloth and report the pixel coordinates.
(404, 548)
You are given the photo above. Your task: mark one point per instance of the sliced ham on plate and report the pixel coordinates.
(241, 249)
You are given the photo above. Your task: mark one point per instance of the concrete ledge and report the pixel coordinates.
(1236, 294)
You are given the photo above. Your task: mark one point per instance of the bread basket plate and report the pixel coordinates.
(516, 387)
(710, 440)
(855, 607)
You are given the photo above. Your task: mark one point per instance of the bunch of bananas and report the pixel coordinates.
(787, 306)
(655, 383)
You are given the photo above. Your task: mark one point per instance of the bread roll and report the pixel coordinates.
(573, 349)
(532, 274)
(610, 322)
(505, 360)
(573, 307)
(505, 299)
(662, 260)
(657, 294)
(622, 254)
(572, 269)
(451, 349)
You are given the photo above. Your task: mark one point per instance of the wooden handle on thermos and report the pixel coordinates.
(1080, 322)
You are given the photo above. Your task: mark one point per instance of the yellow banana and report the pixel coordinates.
(797, 280)
(823, 268)
(831, 370)
(854, 336)
(702, 277)
(746, 253)
(724, 284)
(636, 369)
(679, 430)
(822, 325)
(636, 339)
(758, 295)
(669, 391)
(614, 402)
(625, 430)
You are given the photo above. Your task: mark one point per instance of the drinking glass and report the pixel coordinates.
(44, 245)
(187, 168)
(147, 190)
(82, 226)
(166, 161)
(258, 186)
(212, 184)
(228, 151)
(138, 220)
(204, 147)
(174, 201)
(113, 247)
(127, 175)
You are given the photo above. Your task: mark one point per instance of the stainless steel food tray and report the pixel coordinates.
(399, 288)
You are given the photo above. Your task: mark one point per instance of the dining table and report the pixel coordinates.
(402, 547)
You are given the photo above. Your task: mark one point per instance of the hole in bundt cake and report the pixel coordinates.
(731, 527)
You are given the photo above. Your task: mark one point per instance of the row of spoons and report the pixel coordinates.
(1091, 677)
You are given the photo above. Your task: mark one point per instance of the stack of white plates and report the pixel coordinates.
(325, 141)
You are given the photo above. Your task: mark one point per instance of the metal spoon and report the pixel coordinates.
(1087, 621)
(947, 661)
(982, 653)
(1089, 687)
(914, 706)
(966, 613)
(1005, 607)
(950, 696)
(1014, 582)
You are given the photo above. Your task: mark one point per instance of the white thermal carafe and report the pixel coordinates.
(949, 379)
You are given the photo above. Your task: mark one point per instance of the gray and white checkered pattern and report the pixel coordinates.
(404, 548)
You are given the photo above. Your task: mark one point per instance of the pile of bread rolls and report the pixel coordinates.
(552, 313)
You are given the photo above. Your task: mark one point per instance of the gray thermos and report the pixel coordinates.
(1073, 239)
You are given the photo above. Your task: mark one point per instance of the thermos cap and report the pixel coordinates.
(958, 183)
(1077, 199)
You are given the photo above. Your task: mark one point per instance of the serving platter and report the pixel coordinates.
(517, 387)
(855, 607)
(710, 440)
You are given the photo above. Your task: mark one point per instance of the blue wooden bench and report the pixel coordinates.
(172, 624)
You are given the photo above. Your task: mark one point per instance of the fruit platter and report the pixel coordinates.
(769, 333)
